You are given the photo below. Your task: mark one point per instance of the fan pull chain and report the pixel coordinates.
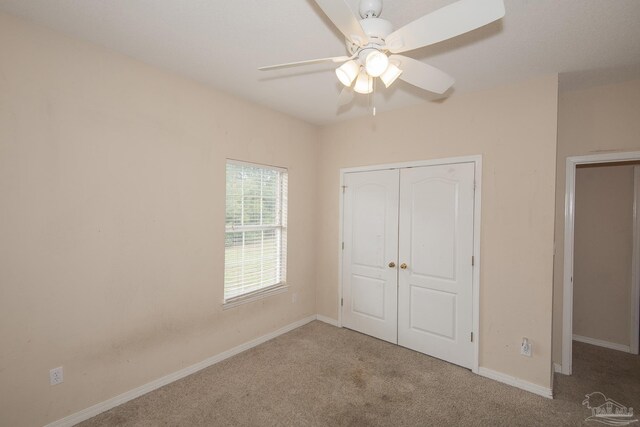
(372, 99)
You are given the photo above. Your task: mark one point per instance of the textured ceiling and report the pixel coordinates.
(222, 43)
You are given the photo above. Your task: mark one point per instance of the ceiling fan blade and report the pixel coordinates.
(445, 23)
(422, 75)
(339, 12)
(346, 96)
(335, 59)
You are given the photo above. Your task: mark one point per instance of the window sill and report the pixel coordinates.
(254, 296)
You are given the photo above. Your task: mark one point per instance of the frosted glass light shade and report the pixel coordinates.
(390, 75)
(376, 63)
(364, 83)
(347, 72)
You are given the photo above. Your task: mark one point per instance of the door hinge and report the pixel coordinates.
(471, 336)
(473, 260)
(343, 188)
(341, 302)
(343, 246)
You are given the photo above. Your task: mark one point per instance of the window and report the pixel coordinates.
(255, 251)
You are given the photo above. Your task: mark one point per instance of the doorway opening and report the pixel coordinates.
(592, 312)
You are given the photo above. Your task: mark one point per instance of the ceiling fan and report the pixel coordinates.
(370, 39)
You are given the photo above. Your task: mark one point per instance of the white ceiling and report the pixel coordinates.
(222, 43)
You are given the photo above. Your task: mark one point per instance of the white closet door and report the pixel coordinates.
(435, 248)
(370, 231)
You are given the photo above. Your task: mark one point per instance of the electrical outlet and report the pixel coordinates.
(56, 376)
(294, 297)
(526, 347)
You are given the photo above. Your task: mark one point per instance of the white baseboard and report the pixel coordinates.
(101, 407)
(557, 368)
(516, 382)
(602, 343)
(326, 319)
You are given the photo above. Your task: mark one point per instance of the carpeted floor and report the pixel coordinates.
(319, 375)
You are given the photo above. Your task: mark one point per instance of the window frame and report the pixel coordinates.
(281, 231)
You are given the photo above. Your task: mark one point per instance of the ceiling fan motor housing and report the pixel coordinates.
(377, 29)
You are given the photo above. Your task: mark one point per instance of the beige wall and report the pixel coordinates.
(590, 121)
(602, 256)
(112, 222)
(514, 128)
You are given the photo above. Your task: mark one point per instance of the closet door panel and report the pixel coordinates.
(435, 248)
(370, 233)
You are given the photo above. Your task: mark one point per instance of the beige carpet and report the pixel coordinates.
(319, 375)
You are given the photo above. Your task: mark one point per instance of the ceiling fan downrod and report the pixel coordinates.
(370, 8)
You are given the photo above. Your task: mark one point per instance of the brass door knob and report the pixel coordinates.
(403, 266)
(392, 264)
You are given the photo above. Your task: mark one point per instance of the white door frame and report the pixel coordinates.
(569, 231)
(477, 160)
(634, 344)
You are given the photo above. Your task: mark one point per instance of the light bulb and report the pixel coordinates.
(390, 75)
(364, 83)
(347, 72)
(376, 63)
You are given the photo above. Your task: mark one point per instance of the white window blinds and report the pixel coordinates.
(256, 229)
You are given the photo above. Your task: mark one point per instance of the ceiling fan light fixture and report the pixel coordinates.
(390, 75)
(348, 72)
(376, 63)
(364, 83)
